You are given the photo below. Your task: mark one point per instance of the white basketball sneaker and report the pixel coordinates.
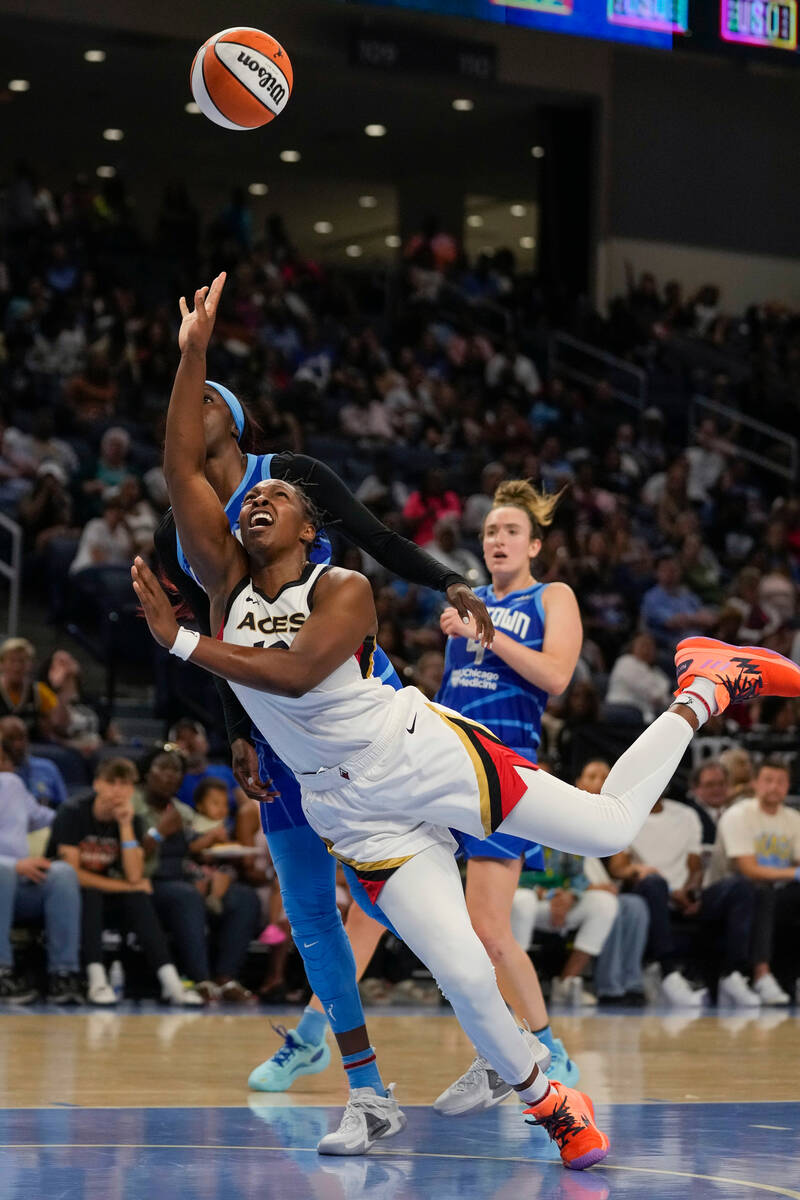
(678, 992)
(480, 1087)
(366, 1119)
(735, 992)
(571, 991)
(770, 991)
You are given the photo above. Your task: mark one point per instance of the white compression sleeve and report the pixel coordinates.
(566, 818)
(424, 900)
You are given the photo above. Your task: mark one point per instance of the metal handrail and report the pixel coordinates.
(714, 408)
(12, 571)
(635, 394)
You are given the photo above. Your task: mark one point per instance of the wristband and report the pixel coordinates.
(154, 834)
(130, 845)
(797, 874)
(185, 642)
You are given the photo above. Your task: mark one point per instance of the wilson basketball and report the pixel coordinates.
(241, 78)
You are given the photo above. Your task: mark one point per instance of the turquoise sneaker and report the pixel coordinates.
(294, 1058)
(561, 1066)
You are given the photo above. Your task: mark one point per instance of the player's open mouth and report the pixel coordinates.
(261, 519)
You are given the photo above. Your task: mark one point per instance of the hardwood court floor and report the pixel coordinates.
(119, 1104)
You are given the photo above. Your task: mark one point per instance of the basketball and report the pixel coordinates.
(241, 78)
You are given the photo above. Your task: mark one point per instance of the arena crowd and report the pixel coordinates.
(423, 387)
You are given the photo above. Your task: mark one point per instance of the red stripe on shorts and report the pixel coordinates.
(512, 785)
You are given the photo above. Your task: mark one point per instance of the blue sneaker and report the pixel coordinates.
(561, 1066)
(294, 1058)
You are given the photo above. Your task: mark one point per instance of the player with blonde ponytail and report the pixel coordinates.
(537, 641)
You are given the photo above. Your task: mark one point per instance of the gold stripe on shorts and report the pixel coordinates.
(477, 766)
(368, 868)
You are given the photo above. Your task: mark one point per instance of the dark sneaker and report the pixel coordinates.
(14, 990)
(64, 987)
(234, 992)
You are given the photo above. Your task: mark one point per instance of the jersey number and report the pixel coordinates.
(477, 648)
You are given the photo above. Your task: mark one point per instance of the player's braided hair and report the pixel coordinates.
(310, 512)
(539, 506)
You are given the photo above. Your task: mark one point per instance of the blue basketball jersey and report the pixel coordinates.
(284, 813)
(479, 685)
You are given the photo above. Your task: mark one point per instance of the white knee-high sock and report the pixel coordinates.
(566, 818)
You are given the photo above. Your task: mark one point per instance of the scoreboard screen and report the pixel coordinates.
(765, 30)
(768, 23)
(644, 22)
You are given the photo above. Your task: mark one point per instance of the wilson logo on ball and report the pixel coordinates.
(265, 79)
(236, 79)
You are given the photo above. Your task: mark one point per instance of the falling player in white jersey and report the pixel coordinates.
(384, 774)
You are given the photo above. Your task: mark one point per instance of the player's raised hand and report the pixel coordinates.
(155, 605)
(469, 606)
(197, 324)
(452, 625)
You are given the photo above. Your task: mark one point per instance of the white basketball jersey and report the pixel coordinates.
(333, 721)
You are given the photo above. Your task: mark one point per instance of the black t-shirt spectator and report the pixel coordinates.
(97, 841)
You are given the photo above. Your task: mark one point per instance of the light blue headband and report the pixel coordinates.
(237, 412)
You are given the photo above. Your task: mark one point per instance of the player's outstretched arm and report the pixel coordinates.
(343, 616)
(202, 525)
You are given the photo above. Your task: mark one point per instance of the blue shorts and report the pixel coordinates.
(500, 845)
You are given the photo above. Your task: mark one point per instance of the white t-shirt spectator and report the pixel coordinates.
(523, 370)
(101, 546)
(705, 468)
(746, 829)
(460, 560)
(666, 840)
(635, 683)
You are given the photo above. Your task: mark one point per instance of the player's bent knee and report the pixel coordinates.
(498, 944)
(467, 976)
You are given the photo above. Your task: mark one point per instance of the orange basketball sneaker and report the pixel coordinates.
(737, 672)
(567, 1115)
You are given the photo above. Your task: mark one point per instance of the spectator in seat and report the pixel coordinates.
(425, 506)
(32, 889)
(565, 902)
(709, 796)
(446, 549)
(508, 366)
(707, 458)
(664, 866)
(101, 839)
(755, 624)
(61, 671)
(106, 541)
(140, 516)
(40, 776)
(91, 394)
(636, 681)
(669, 610)
(618, 975)
(738, 766)
(21, 696)
(428, 672)
(479, 504)
(173, 832)
(190, 739)
(47, 511)
(758, 841)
